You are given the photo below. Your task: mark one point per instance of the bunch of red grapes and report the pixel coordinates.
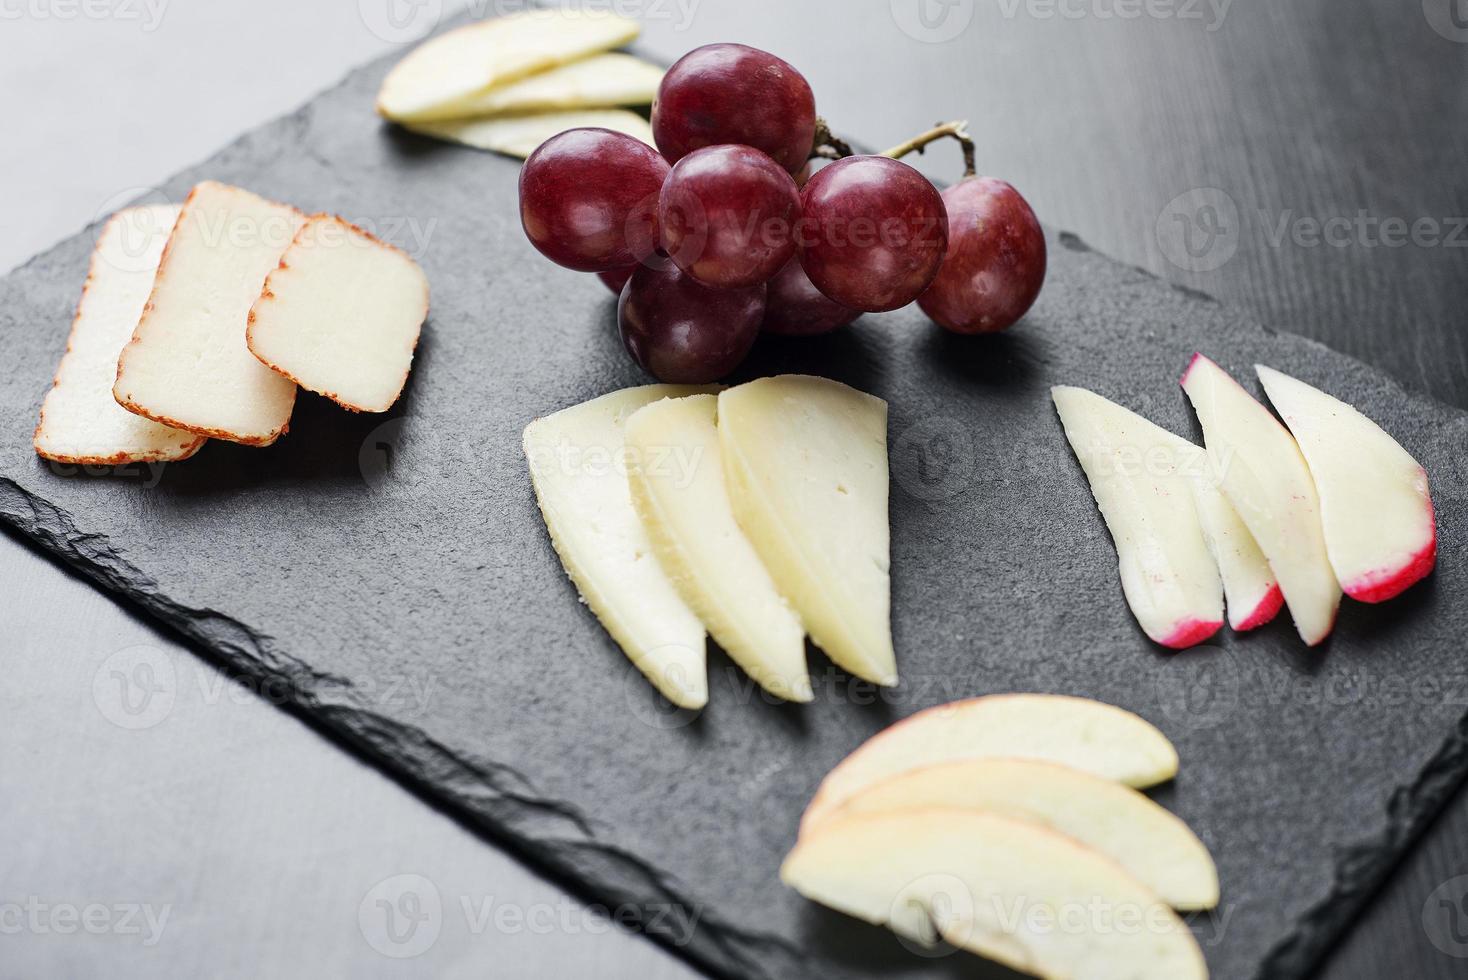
(723, 231)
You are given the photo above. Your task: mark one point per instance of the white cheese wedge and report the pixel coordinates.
(80, 420)
(1150, 844)
(1006, 889)
(519, 136)
(340, 315)
(1375, 507)
(1140, 475)
(1262, 473)
(806, 464)
(439, 76)
(187, 364)
(601, 81)
(1088, 735)
(578, 467)
(1248, 582)
(677, 481)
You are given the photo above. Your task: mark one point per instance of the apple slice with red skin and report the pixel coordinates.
(1262, 473)
(1254, 598)
(1380, 532)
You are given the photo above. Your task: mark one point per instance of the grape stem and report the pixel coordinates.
(957, 129)
(827, 146)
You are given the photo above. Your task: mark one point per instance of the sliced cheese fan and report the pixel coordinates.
(601, 81)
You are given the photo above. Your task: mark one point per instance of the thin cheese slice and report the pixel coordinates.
(519, 136)
(187, 364)
(578, 467)
(80, 420)
(601, 81)
(806, 462)
(439, 76)
(677, 480)
(341, 315)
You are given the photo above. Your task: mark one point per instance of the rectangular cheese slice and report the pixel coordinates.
(578, 467)
(601, 81)
(187, 364)
(677, 479)
(519, 136)
(80, 420)
(806, 463)
(340, 315)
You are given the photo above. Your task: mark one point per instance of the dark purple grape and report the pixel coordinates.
(732, 93)
(873, 234)
(995, 263)
(588, 199)
(682, 332)
(727, 216)
(794, 307)
(615, 279)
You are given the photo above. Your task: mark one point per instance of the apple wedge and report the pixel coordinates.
(1005, 889)
(576, 459)
(1140, 475)
(444, 73)
(1253, 594)
(677, 481)
(519, 136)
(1093, 737)
(1150, 844)
(1380, 532)
(1263, 475)
(601, 81)
(806, 463)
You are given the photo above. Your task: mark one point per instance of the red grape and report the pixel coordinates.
(732, 93)
(615, 279)
(995, 263)
(727, 216)
(873, 234)
(682, 332)
(794, 307)
(588, 199)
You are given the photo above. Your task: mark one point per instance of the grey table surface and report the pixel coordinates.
(1306, 161)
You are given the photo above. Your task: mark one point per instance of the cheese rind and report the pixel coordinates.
(341, 315)
(805, 461)
(520, 136)
(80, 420)
(441, 75)
(1140, 475)
(600, 81)
(187, 364)
(677, 483)
(577, 460)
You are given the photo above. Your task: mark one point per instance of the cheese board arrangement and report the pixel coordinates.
(854, 428)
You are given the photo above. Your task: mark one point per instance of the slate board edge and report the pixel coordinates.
(474, 796)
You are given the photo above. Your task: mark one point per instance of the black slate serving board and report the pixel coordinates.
(365, 555)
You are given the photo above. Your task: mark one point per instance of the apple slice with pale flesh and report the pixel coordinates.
(1263, 475)
(601, 81)
(1097, 738)
(806, 463)
(1140, 475)
(1254, 598)
(577, 466)
(1380, 532)
(1151, 844)
(440, 76)
(1007, 889)
(519, 136)
(677, 481)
